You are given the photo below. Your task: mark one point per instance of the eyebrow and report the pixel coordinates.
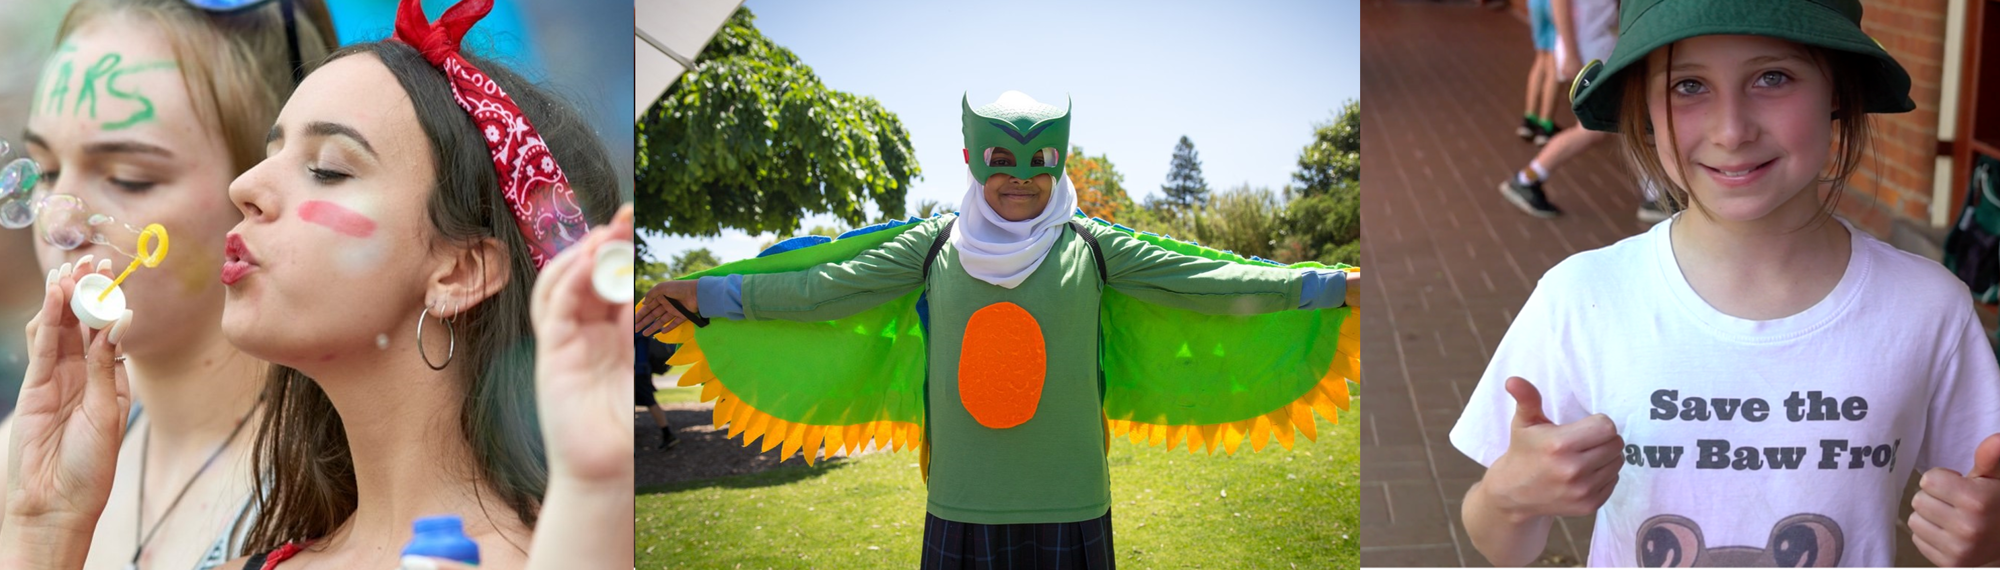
(325, 129)
(1752, 62)
(106, 147)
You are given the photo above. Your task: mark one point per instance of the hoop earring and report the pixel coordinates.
(450, 331)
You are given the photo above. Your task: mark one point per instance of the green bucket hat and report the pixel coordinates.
(1646, 25)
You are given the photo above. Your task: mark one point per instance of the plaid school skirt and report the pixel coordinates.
(950, 545)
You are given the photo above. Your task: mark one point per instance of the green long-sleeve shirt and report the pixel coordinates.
(1052, 467)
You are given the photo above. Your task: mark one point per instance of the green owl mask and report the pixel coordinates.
(1033, 133)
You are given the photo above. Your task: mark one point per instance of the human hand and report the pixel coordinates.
(1956, 518)
(1554, 470)
(582, 361)
(660, 315)
(1353, 288)
(68, 426)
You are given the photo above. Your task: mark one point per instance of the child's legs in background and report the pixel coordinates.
(1543, 29)
(642, 396)
(1566, 145)
(1536, 85)
(1547, 62)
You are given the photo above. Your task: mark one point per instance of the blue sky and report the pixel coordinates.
(1244, 81)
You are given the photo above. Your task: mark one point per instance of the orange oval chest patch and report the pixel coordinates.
(1001, 366)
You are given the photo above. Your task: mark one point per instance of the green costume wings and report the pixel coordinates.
(1171, 376)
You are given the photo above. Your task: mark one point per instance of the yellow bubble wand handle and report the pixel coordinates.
(150, 257)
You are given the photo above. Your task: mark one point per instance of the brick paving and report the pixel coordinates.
(1441, 89)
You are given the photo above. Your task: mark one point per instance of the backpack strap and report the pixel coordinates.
(692, 317)
(1096, 251)
(937, 245)
(1082, 231)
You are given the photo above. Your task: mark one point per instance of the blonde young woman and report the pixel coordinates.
(144, 113)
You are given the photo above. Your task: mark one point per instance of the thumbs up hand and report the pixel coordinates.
(1549, 469)
(1956, 522)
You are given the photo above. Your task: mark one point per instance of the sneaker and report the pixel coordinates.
(1651, 213)
(1527, 130)
(671, 441)
(1542, 135)
(1529, 198)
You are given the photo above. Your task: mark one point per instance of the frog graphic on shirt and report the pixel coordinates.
(1799, 541)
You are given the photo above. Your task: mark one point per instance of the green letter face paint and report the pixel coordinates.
(1034, 133)
(97, 83)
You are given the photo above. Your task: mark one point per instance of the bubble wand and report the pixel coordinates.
(98, 301)
(150, 258)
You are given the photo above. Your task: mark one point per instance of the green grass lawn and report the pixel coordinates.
(1270, 509)
(675, 395)
(678, 395)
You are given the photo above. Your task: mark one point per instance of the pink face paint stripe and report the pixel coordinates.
(337, 218)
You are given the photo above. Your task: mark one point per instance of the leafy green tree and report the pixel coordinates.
(1244, 220)
(1166, 217)
(1334, 155)
(650, 273)
(1185, 186)
(1100, 188)
(1324, 221)
(752, 140)
(693, 260)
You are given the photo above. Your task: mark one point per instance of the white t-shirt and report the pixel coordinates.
(1596, 23)
(1787, 440)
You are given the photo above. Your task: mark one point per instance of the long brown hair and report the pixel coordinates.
(1852, 135)
(237, 65)
(304, 468)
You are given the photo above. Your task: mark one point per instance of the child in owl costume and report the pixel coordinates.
(1010, 351)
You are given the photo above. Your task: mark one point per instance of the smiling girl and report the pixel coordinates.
(1753, 381)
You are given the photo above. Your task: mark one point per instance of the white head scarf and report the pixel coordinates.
(1002, 252)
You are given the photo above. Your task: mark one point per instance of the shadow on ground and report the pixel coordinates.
(706, 457)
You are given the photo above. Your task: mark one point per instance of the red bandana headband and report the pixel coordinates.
(539, 194)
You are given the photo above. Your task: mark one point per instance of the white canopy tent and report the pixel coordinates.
(667, 36)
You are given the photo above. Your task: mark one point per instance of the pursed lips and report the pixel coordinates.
(237, 259)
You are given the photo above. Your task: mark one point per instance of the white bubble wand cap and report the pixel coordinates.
(98, 301)
(611, 276)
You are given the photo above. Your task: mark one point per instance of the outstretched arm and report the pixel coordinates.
(821, 292)
(1157, 275)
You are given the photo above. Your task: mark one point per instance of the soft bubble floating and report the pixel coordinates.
(98, 301)
(612, 275)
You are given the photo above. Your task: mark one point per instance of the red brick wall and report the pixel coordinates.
(1895, 184)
